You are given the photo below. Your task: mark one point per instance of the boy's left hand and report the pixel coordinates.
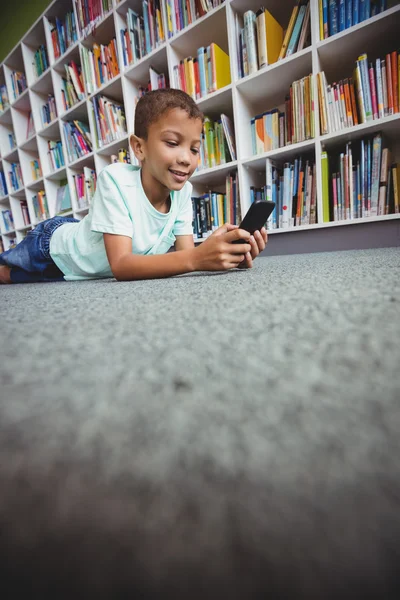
(258, 241)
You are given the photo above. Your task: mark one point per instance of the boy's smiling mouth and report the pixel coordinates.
(178, 175)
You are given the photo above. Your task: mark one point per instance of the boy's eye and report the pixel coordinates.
(170, 143)
(195, 150)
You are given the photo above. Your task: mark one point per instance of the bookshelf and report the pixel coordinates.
(241, 100)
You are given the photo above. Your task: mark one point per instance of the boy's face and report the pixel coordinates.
(170, 154)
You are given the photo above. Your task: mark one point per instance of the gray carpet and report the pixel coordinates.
(228, 435)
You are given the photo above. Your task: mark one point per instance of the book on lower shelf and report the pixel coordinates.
(203, 74)
(157, 81)
(25, 212)
(338, 15)
(108, 119)
(49, 111)
(63, 198)
(361, 181)
(293, 188)
(4, 103)
(77, 139)
(40, 62)
(3, 185)
(18, 83)
(8, 220)
(56, 154)
(36, 169)
(217, 142)
(15, 177)
(40, 207)
(214, 208)
(73, 87)
(63, 33)
(85, 187)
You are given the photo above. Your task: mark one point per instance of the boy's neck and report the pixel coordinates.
(157, 194)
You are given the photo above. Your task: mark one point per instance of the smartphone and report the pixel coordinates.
(256, 217)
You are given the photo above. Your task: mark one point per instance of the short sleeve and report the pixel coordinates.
(184, 219)
(109, 212)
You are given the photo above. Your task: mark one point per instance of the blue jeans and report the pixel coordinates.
(30, 260)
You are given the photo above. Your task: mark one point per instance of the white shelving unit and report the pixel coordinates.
(241, 100)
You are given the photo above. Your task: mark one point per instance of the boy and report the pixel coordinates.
(137, 214)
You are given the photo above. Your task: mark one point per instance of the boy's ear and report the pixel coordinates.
(137, 145)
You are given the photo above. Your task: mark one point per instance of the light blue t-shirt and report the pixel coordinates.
(119, 206)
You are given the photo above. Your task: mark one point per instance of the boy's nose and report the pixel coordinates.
(184, 158)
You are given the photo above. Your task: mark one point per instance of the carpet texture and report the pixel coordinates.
(215, 435)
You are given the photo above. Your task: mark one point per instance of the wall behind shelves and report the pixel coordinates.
(15, 20)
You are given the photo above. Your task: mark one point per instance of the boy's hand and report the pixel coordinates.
(218, 253)
(258, 241)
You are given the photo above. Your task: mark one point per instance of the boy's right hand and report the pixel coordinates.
(217, 253)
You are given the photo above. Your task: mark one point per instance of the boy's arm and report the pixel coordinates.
(217, 253)
(184, 242)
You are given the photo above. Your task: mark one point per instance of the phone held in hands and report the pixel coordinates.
(256, 217)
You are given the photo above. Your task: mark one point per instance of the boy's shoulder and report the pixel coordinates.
(122, 172)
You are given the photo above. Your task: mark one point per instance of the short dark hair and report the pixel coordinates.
(154, 104)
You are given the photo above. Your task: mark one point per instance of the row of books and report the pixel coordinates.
(73, 87)
(293, 188)
(18, 83)
(36, 169)
(4, 103)
(338, 15)
(85, 186)
(204, 74)
(109, 120)
(40, 207)
(217, 143)
(15, 176)
(55, 154)
(49, 111)
(77, 139)
(40, 62)
(156, 81)
(372, 93)
(260, 41)
(63, 34)
(181, 13)
(91, 12)
(3, 185)
(361, 181)
(99, 65)
(143, 33)
(277, 128)
(214, 208)
(8, 220)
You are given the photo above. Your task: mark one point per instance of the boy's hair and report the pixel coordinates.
(154, 104)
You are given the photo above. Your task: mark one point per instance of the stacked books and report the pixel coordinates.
(181, 13)
(143, 33)
(49, 112)
(293, 188)
(258, 41)
(4, 103)
(213, 209)
(338, 15)
(40, 61)
(63, 34)
(372, 93)
(8, 220)
(217, 143)
(90, 13)
(277, 128)
(15, 177)
(55, 154)
(40, 207)
(3, 185)
(25, 212)
(85, 187)
(73, 88)
(298, 33)
(204, 74)
(364, 181)
(18, 82)
(109, 120)
(36, 169)
(77, 139)
(100, 65)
